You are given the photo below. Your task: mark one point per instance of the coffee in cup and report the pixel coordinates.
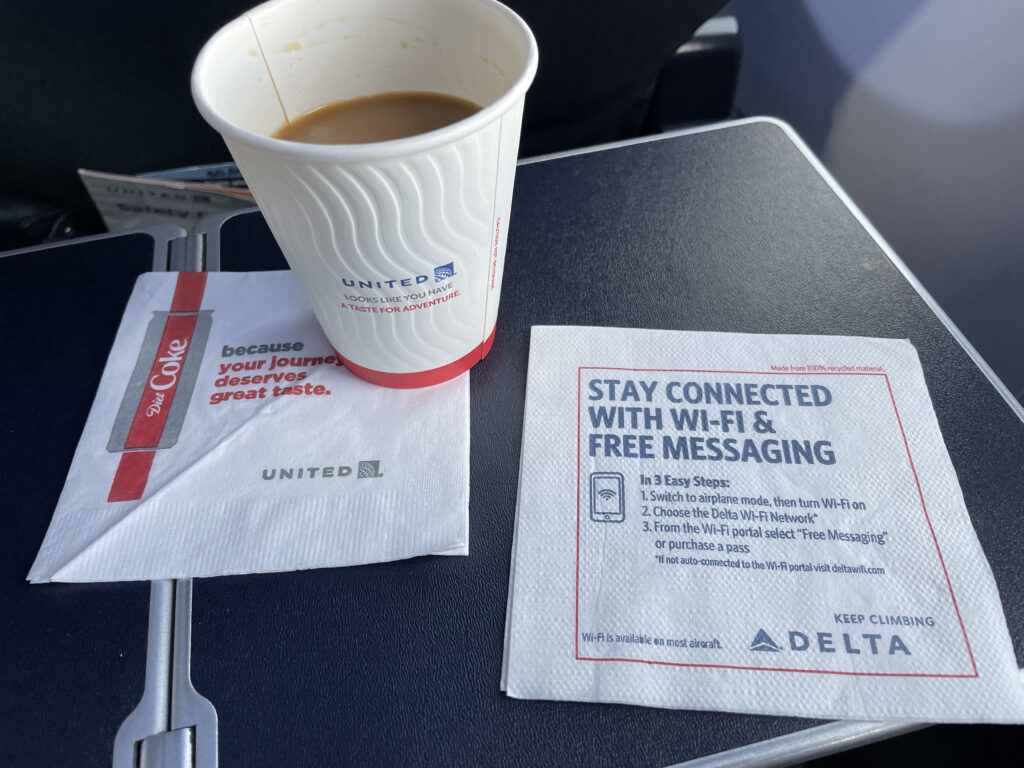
(384, 117)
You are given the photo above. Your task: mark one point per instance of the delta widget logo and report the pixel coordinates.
(764, 642)
(851, 643)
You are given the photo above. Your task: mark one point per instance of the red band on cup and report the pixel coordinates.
(422, 378)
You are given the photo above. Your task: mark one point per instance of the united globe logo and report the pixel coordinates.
(444, 272)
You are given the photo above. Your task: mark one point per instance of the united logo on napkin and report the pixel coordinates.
(226, 437)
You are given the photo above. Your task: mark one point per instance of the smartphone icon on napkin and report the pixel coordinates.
(607, 497)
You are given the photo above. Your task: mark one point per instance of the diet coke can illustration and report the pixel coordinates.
(159, 391)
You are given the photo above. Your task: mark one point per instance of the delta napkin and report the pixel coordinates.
(227, 438)
(764, 524)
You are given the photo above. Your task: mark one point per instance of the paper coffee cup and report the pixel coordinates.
(399, 245)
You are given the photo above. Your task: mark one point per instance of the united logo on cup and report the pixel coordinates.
(398, 243)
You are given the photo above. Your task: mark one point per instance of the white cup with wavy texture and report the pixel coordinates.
(399, 245)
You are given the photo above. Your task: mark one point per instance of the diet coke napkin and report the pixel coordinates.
(765, 524)
(227, 438)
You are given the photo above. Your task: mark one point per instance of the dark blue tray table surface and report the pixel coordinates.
(730, 229)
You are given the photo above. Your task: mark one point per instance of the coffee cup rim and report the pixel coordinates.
(372, 150)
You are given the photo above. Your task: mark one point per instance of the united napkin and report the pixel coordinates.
(226, 438)
(765, 524)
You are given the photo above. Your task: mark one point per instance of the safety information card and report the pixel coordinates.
(765, 524)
